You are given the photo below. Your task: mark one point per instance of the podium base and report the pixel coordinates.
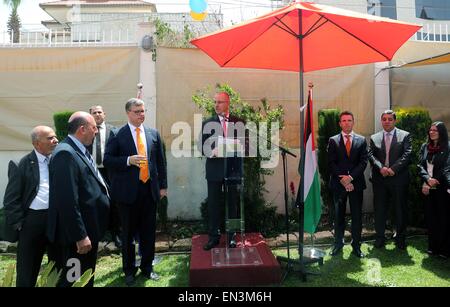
(235, 256)
(258, 266)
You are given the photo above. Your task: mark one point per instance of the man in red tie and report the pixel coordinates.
(134, 154)
(347, 160)
(214, 130)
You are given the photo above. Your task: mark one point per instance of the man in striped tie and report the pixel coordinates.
(135, 156)
(78, 203)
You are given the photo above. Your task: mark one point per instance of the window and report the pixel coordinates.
(384, 8)
(433, 9)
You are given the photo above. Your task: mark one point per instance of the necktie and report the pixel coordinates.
(387, 144)
(224, 126)
(100, 177)
(143, 172)
(98, 147)
(348, 144)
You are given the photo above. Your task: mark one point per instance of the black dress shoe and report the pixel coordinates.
(401, 245)
(336, 250)
(357, 252)
(117, 241)
(130, 280)
(151, 275)
(210, 244)
(379, 243)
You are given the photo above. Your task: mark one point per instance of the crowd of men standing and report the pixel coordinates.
(61, 200)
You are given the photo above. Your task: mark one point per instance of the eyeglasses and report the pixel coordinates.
(433, 130)
(137, 112)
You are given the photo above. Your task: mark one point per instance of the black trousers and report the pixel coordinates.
(437, 213)
(139, 219)
(216, 206)
(114, 217)
(32, 245)
(340, 203)
(384, 195)
(73, 265)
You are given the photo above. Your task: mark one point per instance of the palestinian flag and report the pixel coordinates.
(311, 182)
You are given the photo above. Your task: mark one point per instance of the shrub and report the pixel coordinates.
(328, 127)
(60, 119)
(416, 121)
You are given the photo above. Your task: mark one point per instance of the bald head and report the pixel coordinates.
(83, 127)
(222, 103)
(43, 139)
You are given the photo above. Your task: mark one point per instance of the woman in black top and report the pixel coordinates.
(434, 169)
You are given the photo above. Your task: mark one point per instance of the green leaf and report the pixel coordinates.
(84, 279)
(9, 276)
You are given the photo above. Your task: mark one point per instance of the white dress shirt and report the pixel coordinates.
(40, 202)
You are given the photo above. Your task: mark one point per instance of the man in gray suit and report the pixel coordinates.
(26, 205)
(389, 155)
(97, 149)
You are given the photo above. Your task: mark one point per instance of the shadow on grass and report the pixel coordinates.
(435, 264)
(173, 271)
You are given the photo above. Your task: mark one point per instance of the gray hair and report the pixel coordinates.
(133, 102)
(36, 133)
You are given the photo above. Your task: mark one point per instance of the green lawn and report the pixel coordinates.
(386, 268)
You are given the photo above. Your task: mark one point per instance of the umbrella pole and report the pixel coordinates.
(300, 198)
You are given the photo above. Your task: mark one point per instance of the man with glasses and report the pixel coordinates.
(135, 155)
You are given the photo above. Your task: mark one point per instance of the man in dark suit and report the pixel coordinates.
(134, 154)
(347, 160)
(26, 206)
(389, 155)
(217, 127)
(79, 201)
(97, 149)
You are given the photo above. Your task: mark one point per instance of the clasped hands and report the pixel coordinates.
(430, 184)
(387, 172)
(346, 181)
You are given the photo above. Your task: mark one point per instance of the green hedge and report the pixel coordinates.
(328, 126)
(60, 119)
(416, 121)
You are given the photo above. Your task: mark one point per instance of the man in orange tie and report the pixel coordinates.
(347, 160)
(134, 154)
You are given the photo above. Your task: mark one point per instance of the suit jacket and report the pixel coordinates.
(341, 164)
(125, 178)
(441, 166)
(79, 203)
(22, 188)
(215, 167)
(399, 156)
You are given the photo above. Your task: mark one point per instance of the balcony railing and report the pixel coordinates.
(433, 33)
(53, 38)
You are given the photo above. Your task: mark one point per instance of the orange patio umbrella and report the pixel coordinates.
(304, 37)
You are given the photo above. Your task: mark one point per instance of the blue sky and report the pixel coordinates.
(234, 10)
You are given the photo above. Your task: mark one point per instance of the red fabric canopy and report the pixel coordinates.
(330, 37)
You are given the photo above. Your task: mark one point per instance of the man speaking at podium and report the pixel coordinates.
(216, 130)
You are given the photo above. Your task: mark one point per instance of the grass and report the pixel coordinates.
(387, 267)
